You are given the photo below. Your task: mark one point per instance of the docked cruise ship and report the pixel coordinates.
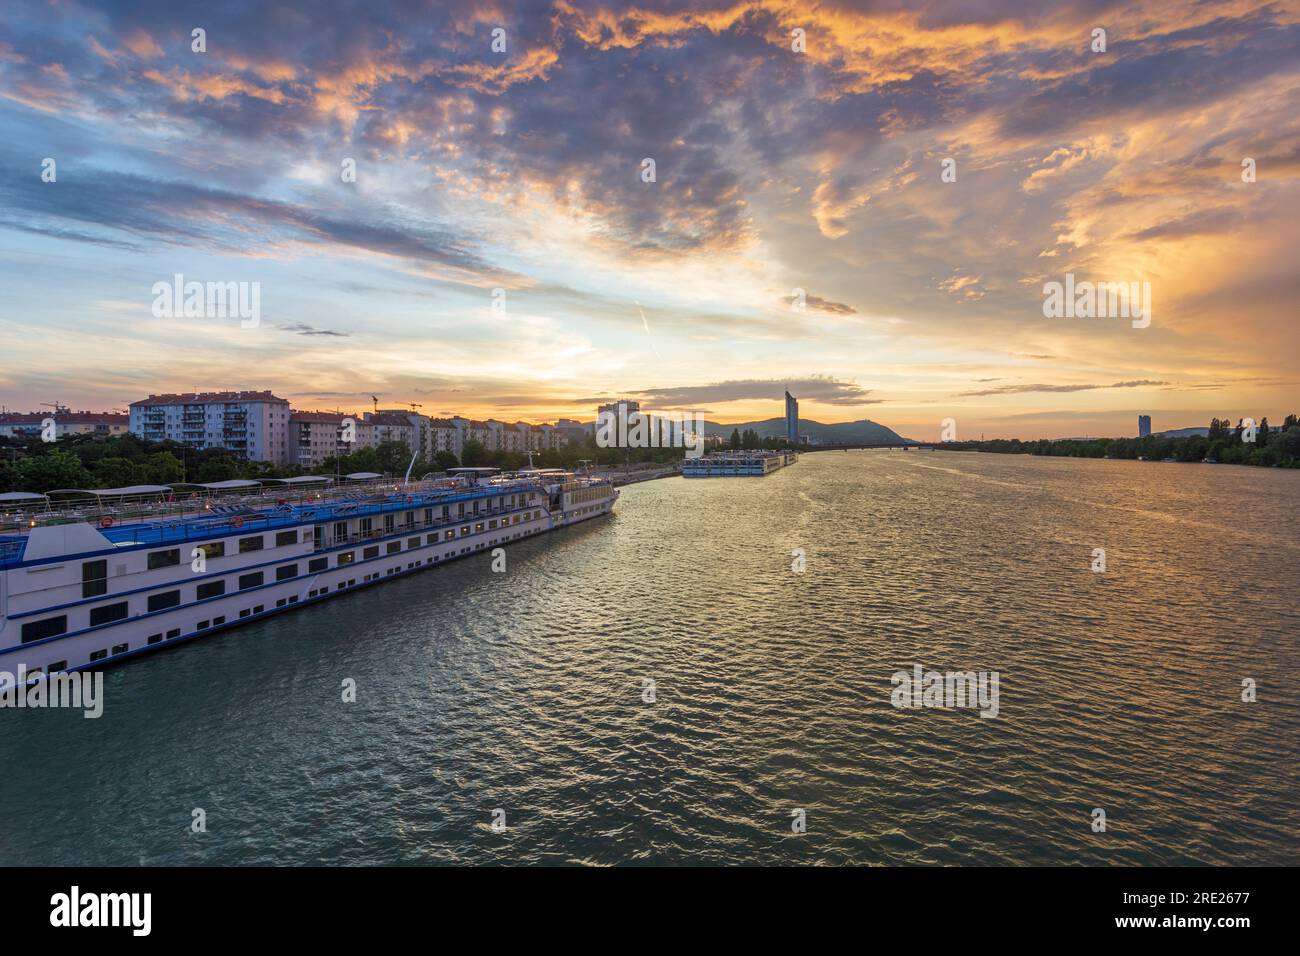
(729, 463)
(141, 569)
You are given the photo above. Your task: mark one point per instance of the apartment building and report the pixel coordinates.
(251, 425)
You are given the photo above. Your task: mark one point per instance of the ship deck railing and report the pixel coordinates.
(200, 516)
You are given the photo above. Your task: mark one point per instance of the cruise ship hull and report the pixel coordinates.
(325, 559)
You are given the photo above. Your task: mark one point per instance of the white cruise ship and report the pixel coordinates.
(737, 463)
(82, 586)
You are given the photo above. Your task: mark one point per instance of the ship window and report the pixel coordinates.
(258, 609)
(430, 539)
(58, 666)
(94, 578)
(394, 547)
(174, 632)
(164, 559)
(218, 620)
(39, 630)
(286, 537)
(247, 581)
(160, 602)
(346, 557)
(412, 542)
(213, 549)
(478, 526)
(202, 625)
(318, 564)
(451, 533)
(108, 614)
(388, 523)
(99, 655)
(121, 648)
(284, 572)
(155, 639)
(464, 531)
(210, 590)
(250, 544)
(370, 553)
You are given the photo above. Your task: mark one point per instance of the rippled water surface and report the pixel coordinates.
(524, 691)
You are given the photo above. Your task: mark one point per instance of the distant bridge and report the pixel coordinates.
(905, 446)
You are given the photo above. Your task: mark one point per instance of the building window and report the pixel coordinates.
(39, 630)
(213, 549)
(286, 537)
(285, 572)
(247, 581)
(250, 544)
(94, 578)
(164, 559)
(160, 602)
(108, 614)
(210, 590)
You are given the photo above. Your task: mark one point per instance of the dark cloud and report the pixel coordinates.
(818, 304)
(301, 328)
(826, 391)
(1022, 389)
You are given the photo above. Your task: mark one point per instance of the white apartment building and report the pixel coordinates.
(317, 436)
(252, 425)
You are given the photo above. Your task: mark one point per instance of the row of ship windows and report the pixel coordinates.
(175, 632)
(109, 613)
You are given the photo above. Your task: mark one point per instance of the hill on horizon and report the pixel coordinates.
(840, 433)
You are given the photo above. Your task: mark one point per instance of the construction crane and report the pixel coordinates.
(57, 405)
(414, 405)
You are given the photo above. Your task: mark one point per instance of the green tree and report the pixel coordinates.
(56, 469)
(474, 455)
(114, 473)
(161, 468)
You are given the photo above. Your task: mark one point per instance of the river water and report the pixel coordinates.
(528, 692)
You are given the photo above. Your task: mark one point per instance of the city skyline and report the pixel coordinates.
(799, 233)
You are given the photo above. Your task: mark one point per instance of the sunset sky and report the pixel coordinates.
(776, 170)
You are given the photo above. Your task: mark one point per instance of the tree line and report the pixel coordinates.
(83, 461)
(1225, 443)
